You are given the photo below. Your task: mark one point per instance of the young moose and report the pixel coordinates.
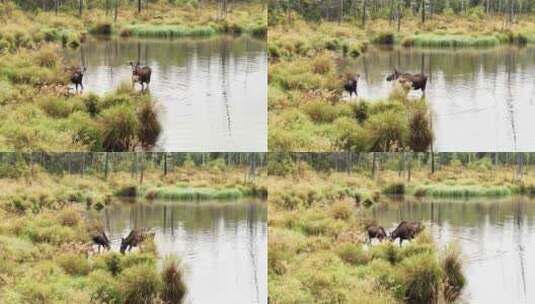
(135, 238)
(350, 85)
(418, 81)
(100, 239)
(406, 231)
(140, 74)
(376, 232)
(77, 77)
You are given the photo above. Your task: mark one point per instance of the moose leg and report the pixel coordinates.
(82, 86)
(400, 242)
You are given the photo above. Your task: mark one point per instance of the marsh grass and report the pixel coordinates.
(462, 191)
(198, 193)
(318, 245)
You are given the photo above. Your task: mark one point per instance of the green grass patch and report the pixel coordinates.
(462, 191)
(167, 31)
(198, 193)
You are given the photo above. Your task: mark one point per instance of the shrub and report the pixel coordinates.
(322, 64)
(101, 29)
(361, 110)
(103, 287)
(420, 132)
(341, 210)
(174, 288)
(454, 280)
(388, 130)
(69, 217)
(384, 38)
(139, 284)
(74, 264)
(394, 188)
(421, 279)
(352, 254)
(149, 126)
(119, 126)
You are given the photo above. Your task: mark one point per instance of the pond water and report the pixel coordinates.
(212, 92)
(482, 99)
(496, 237)
(223, 245)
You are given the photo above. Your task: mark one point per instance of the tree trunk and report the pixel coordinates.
(106, 166)
(139, 6)
(81, 7)
(165, 164)
(364, 7)
(142, 167)
(116, 10)
(423, 11)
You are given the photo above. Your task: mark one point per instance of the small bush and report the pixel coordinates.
(341, 210)
(149, 126)
(454, 280)
(119, 127)
(352, 254)
(139, 284)
(102, 29)
(394, 188)
(384, 38)
(420, 132)
(69, 217)
(74, 264)
(174, 288)
(103, 287)
(421, 279)
(322, 64)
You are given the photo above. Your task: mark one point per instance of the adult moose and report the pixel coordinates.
(406, 231)
(376, 232)
(140, 74)
(418, 81)
(351, 84)
(101, 240)
(134, 239)
(77, 76)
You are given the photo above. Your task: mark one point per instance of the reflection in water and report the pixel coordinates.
(222, 244)
(213, 92)
(482, 98)
(496, 237)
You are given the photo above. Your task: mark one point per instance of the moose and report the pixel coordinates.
(134, 239)
(350, 85)
(77, 76)
(376, 232)
(418, 81)
(101, 240)
(406, 231)
(140, 74)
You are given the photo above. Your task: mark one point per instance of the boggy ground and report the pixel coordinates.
(307, 107)
(38, 112)
(318, 251)
(308, 60)
(45, 235)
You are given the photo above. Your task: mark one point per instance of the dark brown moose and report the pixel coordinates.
(351, 84)
(376, 232)
(77, 77)
(418, 81)
(140, 75)
(406, 231)
(134, 239)
(101, 240)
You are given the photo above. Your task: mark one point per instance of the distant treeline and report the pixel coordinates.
(316, 10)
(51, 5)
(14, 165)
(284, 163)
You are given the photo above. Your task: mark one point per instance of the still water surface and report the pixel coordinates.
(496, 237)
(223, 245)
(482, 99)
(212, 92)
